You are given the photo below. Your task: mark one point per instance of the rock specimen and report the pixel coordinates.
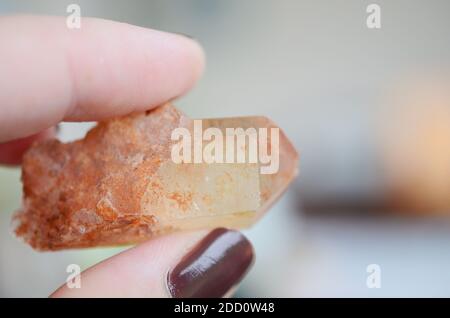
(121, 184)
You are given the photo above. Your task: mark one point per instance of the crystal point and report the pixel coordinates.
(120, 184)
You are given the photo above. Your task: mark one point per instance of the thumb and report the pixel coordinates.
(189, 264)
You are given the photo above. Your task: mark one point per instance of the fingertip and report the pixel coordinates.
(102, 70)
(204, 263)
(198, 58)
(146, 68)
(11, 152)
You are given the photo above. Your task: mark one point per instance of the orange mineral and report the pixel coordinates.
(121, 184)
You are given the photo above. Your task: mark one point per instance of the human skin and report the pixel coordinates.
(50, 73)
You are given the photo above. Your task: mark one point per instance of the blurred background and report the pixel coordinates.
(368, 109)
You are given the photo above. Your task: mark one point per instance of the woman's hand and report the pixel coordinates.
(49, 73)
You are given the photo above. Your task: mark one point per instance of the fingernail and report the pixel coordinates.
(215, 265)
(185, 35)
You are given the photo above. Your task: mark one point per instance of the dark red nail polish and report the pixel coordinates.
(216, 264)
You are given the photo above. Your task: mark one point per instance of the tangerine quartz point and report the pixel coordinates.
(120, 185)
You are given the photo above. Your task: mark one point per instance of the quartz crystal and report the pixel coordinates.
(120, 184)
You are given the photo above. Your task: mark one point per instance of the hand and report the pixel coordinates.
(49, 73)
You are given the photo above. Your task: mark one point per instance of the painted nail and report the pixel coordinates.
(214, 266)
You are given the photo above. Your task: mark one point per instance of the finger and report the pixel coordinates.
(11, 152)
(51, 73)
(191, 264)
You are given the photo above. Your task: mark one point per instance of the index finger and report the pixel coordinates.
(50, 73)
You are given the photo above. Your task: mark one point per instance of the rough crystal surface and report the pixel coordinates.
(119, 185)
